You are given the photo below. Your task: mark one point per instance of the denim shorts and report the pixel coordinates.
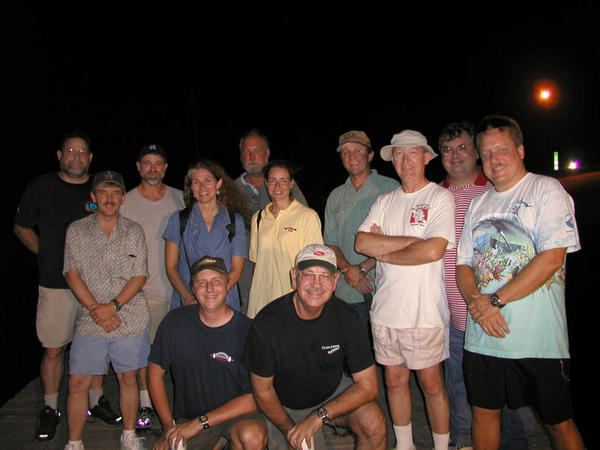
(91, 355)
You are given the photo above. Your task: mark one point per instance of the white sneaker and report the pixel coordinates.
(131, 442)
(74, 446)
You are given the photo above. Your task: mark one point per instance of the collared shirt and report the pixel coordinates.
(198, 241)
(274, 248)
(345, 210)
(258, 199)
(106, 264)
(463, 195)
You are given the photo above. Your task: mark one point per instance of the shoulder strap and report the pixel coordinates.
(231, 226)
(184, 215)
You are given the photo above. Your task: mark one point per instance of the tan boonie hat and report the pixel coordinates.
(355, 137)
(406, 138)
(316, 255)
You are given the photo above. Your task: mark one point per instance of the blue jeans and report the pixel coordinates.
(518, 425)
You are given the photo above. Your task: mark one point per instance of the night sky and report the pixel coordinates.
(195, 80)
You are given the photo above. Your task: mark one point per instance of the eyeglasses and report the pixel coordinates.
(462, 148)
(77, 151)
(310, 277)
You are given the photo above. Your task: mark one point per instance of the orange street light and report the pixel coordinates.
(546, 93)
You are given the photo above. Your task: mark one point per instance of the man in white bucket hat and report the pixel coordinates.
(408, 231)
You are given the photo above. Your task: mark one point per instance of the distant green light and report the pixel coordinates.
(555, 160)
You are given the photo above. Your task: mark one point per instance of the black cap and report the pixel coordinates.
(152, 149)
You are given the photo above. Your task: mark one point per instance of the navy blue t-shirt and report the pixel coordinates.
(205, 362)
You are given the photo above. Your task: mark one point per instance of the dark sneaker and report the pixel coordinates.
(47, 423)
(144, 420)
(104, 412)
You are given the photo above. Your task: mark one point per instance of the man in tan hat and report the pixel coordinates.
(408, 231)
(346, 208)
(297, 351)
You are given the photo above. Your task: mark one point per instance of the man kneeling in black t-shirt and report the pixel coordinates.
(202, 345)
(297, 351)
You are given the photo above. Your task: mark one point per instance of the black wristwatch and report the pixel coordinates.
(204, 421)
(495, 301)
(363, 272)
(118, 306)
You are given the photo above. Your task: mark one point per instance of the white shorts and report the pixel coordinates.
(413, 348)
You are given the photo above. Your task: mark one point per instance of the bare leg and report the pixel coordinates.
(398, 391)
(566, 435)
(77, 404)
(248, 435)
(129, 398)
(142, 378)
(52, 369)
(368, 424)
(436, 398)
(486, 428)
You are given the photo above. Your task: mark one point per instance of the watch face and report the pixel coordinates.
(322, 412)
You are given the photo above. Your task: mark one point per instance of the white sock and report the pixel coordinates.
(127, 433)
(77, 445)
(440, 441)
(94, 395)
(51, 400)
(404, 437)
(145, 400)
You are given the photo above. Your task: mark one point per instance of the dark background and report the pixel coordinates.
(195, 79)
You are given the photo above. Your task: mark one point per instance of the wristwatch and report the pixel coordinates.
(322, 413)
(495, 301)
(363, 272)
(204, 421)
(118, 306)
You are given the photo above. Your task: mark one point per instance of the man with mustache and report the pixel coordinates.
(151, 204)
(298, 349)
(105, 266)
(48, 205)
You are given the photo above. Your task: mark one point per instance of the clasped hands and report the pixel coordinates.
(104, 315)
(487, 316)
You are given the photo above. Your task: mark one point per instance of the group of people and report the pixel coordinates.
(271, 325)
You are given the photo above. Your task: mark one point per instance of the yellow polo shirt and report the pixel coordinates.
(274, 250)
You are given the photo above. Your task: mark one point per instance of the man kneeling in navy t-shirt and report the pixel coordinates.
(202, 346)
(299, 347)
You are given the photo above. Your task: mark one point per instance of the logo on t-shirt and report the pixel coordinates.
(290, 229)
(330, 348)
(419, 215)
(222, 356)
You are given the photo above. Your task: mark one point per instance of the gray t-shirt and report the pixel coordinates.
(153, 216)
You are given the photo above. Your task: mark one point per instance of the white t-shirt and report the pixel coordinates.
(153, 216)
(503, 232)
(412, 296)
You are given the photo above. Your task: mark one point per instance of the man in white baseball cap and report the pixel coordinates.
(408, 231)
(297, 350)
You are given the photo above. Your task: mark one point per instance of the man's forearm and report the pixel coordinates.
(235, 407)
(374, 244)
(28, 238)
(131, 288)
(363, 390)
(269, 403)
(80, 290)
(158, 392)
(416, 253)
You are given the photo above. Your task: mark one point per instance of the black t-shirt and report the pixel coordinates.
(306, 358)
(49, 205)
(205, 362)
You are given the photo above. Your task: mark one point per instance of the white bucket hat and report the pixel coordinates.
(406, 138)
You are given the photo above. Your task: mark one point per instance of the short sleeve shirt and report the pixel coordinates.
(345, 210)
(503, 232)
(106, 264)
(412, 296)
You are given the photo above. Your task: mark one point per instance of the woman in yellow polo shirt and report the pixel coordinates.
(278, 232)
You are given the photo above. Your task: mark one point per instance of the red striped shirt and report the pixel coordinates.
(463, 195)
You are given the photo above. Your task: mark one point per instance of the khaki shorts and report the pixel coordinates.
(158, 311)
(413, 348)
(55, 317)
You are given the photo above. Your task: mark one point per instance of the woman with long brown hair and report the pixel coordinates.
(211, 224)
